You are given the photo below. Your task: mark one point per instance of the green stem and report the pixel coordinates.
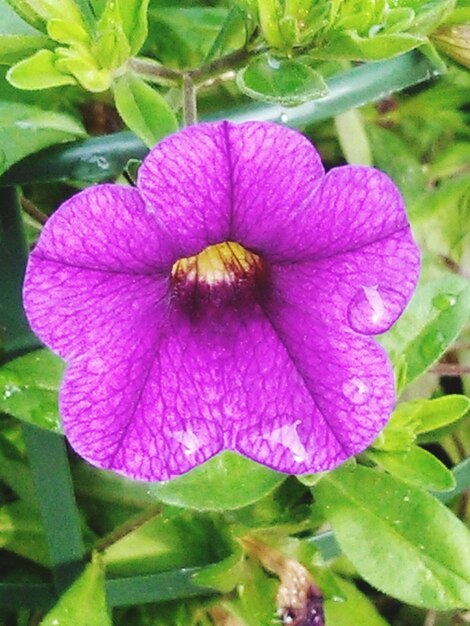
(189, 101)
(122, 531)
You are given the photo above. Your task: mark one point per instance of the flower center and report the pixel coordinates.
(221, 273)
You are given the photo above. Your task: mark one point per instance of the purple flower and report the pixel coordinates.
(225, 302)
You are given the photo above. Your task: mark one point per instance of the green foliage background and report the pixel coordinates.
(86, 86)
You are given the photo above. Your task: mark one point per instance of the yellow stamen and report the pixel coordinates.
(224, 262)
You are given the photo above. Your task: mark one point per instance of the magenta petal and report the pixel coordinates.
(322, 396)
(187, 181)
(275, 172)
(366, 289)
(96, 268)
(137, 408)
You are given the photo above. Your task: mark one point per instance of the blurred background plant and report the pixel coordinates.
(233, 543)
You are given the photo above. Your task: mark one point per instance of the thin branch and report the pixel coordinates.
(224, 63)
(127, 528)
(189, 101)
(33, 211)
(450, 369)
(155, 71)
(431, 618)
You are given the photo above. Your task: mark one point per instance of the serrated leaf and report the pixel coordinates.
(227, 481)
(416, 466)
(143, 109)
(433, 319)
(84, 603)
(29, 389)
(38, 72)
(400, 539)
(288, 82)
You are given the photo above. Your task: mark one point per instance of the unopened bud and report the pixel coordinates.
(455, 42)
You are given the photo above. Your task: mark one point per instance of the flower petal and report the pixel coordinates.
(240, 182)
(136, 407)
(321, 396)
(365, 290)
(96, 268)
(186, 179)
(275, 172)
(352, 208)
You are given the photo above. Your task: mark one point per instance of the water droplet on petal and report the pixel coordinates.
(288, 437)
(189, 440)
(444, 301)
(374, 309)
(356, 390)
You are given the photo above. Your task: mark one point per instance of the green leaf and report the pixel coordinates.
(84, 603)
(416, 466)
(15, 47)
(111, 48)
(400, 539)
(26, 129)
(441, 218)
(404, 168)
(38, 72)
(433, 414)
(20, 16)
(350, 45)
(143, 109)
(21, 532)
(134, 22)
(164, 543)
(434, 318)
(29, 387)
(354, 608)
(285, 81)
(226, 482)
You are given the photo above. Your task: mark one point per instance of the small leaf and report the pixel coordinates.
(416, 466)
(400, 539)
(288, 82)
(438, 412)
(15, 47)
(143, 109)
(227, 481)
(349, 45)
(84, 603)
(38, 72)
(434, 318)
(29, 388)
(134, 22)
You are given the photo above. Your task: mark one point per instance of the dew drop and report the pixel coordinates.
(100, 161)
(274, 63)
(189, 440)
(444, 301)
(373, 309)
(9, 390)
(288, 437)
(284, 118)
(356, 390)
